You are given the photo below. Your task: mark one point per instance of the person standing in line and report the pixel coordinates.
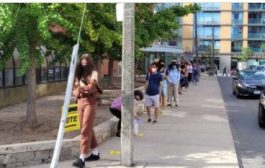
(195, 74)
(190, 72)
(173, 77)
(86, 90)
(163, 93)
(115, 108)
(152, 91)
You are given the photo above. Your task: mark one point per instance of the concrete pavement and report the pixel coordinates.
(196, 134)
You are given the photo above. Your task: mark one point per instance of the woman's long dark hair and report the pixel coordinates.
(87, 70)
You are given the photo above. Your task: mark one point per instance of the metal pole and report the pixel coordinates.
(212, 58)
(127, 140)
(196, 36)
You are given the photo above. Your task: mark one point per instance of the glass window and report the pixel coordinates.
(57, 74)
(9, 77)
(207, 32)
(236, 46)
(206, 6)
(208, 18)
(207, 45)
(1, 78)
(237, 6)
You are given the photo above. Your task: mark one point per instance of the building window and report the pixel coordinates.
(208, 18)
(205, 46)
(237, 6)
(254, 5)
(236, 46)
(207, 32)
(255, 46)
(210, 6)
(237, 18)
(237, 32)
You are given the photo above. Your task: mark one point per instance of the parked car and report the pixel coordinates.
(261, 68)
(248, 83)
(261, 112)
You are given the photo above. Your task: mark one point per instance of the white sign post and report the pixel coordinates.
(68, 94)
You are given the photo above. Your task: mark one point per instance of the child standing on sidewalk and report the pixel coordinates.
(115, 108)
(152, 91)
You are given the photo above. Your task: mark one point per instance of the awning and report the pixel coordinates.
(166, 49)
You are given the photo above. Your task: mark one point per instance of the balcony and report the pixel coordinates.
(256, 36)
(256, 21)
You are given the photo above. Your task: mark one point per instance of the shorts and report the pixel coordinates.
(151, 100)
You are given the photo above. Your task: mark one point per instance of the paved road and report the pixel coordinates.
(249, 138)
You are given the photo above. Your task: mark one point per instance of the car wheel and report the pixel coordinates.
(261, 118)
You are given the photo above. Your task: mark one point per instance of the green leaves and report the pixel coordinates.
(245, 54)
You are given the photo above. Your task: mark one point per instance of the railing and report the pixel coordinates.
(9, 76)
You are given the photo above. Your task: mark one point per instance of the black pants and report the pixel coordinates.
(117, 113)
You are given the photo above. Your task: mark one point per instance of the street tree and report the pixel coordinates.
(246, 52)
(28, 27)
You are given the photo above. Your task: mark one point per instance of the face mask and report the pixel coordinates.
(153, 70)
(174, 67)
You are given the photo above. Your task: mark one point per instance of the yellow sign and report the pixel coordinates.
(72, 121)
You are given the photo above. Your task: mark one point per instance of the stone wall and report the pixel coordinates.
(13, 95)
(33, 153)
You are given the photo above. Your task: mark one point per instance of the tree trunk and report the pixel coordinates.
(31, 91)
(98, 65)
(110, 71)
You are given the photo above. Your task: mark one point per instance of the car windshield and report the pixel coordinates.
(261, 68)
(252, 75)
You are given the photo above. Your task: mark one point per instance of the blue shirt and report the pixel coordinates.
(174, 76)
(153, 83)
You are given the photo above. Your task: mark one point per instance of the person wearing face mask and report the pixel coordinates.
(173, 78)
(86, 90)
(115, 108)
(163, 93)
(152, 91)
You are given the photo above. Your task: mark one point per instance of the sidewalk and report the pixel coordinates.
(196, 134)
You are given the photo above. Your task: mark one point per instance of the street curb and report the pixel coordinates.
(33, 153)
